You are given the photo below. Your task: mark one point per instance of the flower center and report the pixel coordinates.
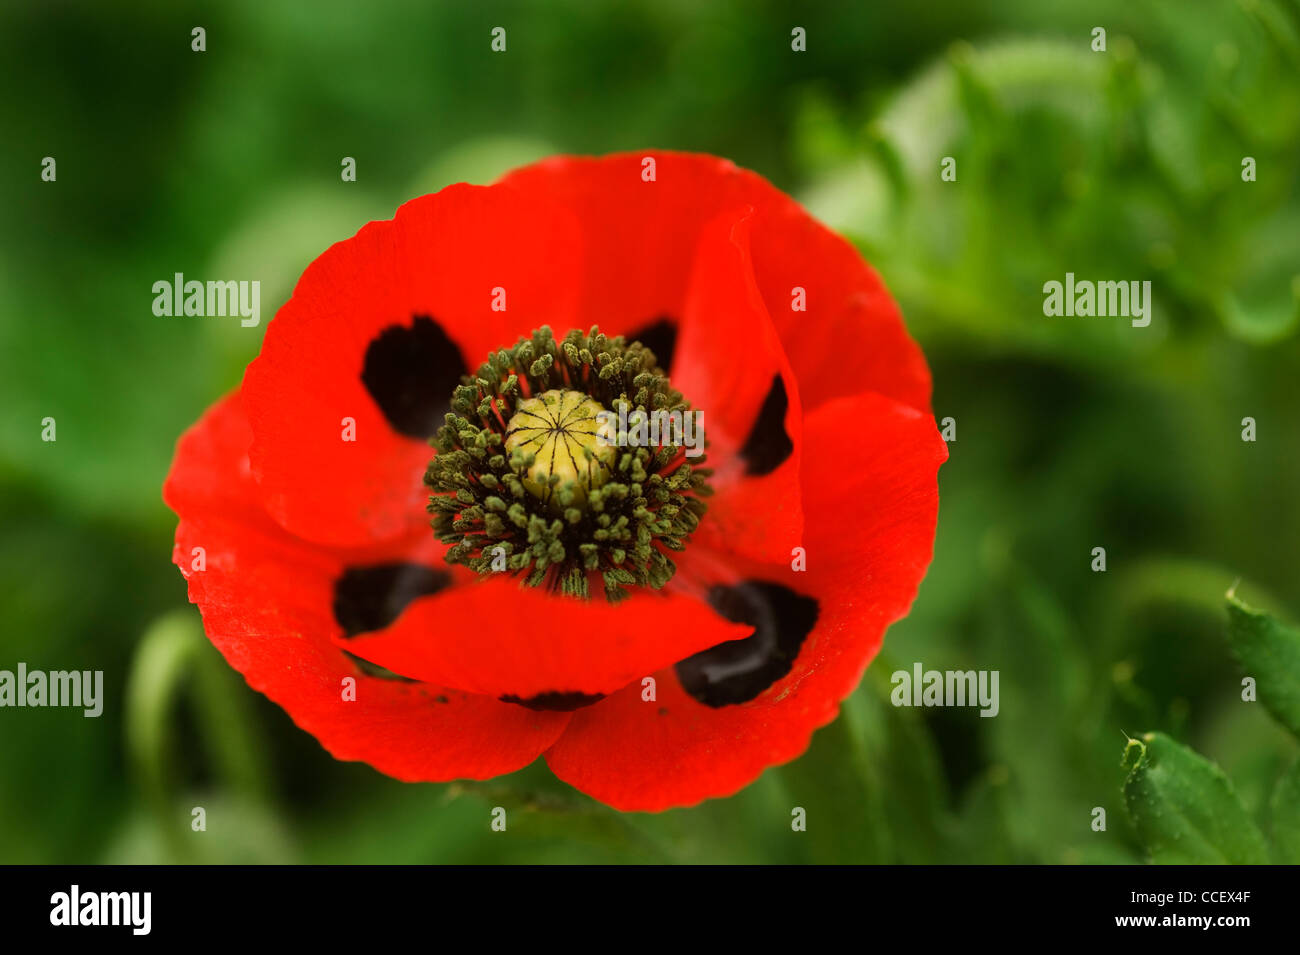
(548, 467)
(562, 432)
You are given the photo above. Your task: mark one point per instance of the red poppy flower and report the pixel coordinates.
(661, 627)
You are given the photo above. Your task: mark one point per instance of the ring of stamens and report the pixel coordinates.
(531, 481)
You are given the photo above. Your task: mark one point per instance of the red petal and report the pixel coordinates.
(871, 510)
(266, 603)
(851, 338)
(497, 639)
(729, 361)
(640, 239)
(441, 256)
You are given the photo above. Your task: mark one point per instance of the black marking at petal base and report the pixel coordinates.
(660, 336)
(768, 445)
(556, 701)
(739, 670)
(370, 598)
(410, 371)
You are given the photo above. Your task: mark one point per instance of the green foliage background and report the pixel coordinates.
(1072, 433)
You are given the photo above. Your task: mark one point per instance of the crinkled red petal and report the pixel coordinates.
(496, 639)
(266, 601)
(843, 335)
(485, 265)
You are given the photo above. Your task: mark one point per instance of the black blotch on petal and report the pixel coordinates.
(660, 336)
(739, 670)
(768, 445)
(410, 371)
(556, 701)
(370, 598)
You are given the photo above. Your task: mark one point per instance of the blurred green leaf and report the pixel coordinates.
(1286, 816)
(839, 786)
(872, 783)
(901, 746)
(175, 661)
(1261, 324)
(480, 161)
(1041, 701)
(161, 664)
(1184, 807)
(237, 832)
(1270, 653)
(988, 837)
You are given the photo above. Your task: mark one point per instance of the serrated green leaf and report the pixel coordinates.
(1270, 653)
(1184, 808)
(1286, 817)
